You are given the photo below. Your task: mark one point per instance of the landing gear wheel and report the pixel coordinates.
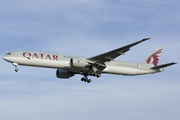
(85, 80)
(16, 70)
(92, 74)
(95, 74)
(89, 81)
(98, 75)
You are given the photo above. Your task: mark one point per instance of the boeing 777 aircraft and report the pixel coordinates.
(67, 65)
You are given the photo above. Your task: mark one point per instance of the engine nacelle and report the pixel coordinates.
(78, 63)
(61, 73)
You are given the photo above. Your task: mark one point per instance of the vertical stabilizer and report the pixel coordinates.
(153, 59)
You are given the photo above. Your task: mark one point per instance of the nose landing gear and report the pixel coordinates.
(16, 70)
(16, 65)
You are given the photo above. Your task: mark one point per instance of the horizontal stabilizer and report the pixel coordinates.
(164, 65)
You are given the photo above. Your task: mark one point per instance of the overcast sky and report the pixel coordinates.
(88, 28)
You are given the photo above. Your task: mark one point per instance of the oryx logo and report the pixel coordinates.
(154, 58)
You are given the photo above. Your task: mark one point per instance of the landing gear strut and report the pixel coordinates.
(16, 65)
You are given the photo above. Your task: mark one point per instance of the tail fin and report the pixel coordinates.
(153, 59)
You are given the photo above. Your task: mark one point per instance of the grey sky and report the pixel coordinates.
(88, 28)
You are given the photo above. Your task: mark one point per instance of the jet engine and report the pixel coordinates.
(61, 73)
(78, 63)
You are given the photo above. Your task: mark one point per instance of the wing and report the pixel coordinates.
(106, 57)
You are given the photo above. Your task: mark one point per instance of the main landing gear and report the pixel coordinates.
(85, 78)
(95, 74)
(16, 65)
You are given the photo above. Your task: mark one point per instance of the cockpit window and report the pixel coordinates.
(8, 54)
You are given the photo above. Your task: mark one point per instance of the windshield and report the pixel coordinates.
(8, 54)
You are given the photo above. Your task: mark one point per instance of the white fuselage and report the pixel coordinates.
(58, 61)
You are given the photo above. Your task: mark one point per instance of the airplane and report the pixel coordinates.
(67, 66)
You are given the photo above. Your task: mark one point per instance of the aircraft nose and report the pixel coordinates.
(4, 57)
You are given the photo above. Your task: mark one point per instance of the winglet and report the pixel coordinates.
(133, 44)
(146, 39)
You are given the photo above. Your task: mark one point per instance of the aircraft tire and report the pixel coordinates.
(89, 81)
(16, 70)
